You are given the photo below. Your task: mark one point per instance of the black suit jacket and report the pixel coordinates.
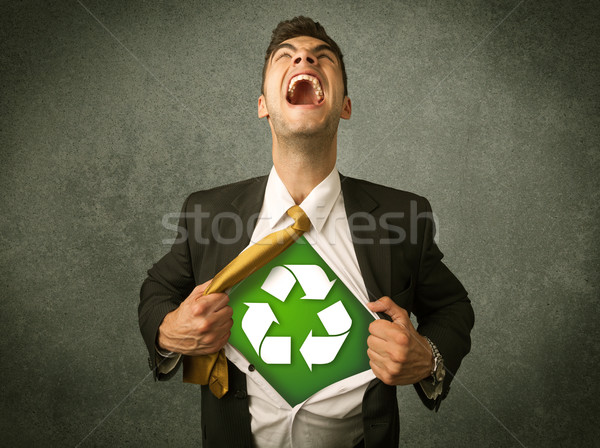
(392, 232)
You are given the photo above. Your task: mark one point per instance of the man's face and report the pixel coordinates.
(303, 89)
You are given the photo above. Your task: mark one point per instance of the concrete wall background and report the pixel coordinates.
(490, 109)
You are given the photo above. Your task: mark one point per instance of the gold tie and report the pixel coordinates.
(212, 369)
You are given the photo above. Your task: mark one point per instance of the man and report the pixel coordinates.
(378, 238)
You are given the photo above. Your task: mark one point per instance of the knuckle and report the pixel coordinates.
(401, 338)
(370, 340)
(200, 308)
(387, 301)
(394, 357)
(197, 291)
(370, 353)
(220, 342)
(220, 297)
(203, 327)
(398, 358)
(209, 349)
(209, 340)
(373, 326)
(224, 340)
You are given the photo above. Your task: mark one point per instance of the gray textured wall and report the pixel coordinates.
(112, 113)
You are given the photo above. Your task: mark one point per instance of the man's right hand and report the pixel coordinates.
(200, 326)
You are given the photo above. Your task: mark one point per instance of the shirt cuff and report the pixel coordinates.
(165, 360)
(164, 353)
(431, 391)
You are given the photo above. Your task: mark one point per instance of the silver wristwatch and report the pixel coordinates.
(438, 372)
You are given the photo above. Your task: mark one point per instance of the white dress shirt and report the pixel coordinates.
(331, 417)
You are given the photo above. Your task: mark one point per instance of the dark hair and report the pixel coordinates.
(302, 26)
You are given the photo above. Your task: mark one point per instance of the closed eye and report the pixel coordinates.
(325, 56)
(281, 55)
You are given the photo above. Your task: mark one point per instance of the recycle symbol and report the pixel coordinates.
(315, 349)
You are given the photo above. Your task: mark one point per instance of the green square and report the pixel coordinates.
(297, 318)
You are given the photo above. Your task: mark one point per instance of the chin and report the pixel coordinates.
(307, 130)
(302, 126)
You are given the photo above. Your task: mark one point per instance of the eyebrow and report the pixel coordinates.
(316, 49)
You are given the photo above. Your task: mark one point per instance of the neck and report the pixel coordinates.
(303, 164)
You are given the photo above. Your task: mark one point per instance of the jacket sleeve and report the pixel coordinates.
(169, 282)
(443, 310)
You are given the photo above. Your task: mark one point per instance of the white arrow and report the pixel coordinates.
(279, 283)
(313, 280)
(256, 323)
(335, 318)
(277, 350)
(321, 349)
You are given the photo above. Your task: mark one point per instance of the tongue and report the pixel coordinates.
(304, 94)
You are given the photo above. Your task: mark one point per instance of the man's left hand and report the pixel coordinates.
(399, 355)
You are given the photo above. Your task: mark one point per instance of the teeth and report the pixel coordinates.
(315, 83)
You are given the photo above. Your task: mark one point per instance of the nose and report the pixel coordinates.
(307, 58)
(303, 54)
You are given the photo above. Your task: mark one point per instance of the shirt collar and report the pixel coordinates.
(317, 205)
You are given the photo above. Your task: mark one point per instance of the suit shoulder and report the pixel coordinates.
(225, 194)
(388, 195)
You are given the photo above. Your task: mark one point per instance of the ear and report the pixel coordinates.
(262, 107)
(346, 108)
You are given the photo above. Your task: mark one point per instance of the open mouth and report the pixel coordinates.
(305, 89)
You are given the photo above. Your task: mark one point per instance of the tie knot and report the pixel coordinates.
(302, 222)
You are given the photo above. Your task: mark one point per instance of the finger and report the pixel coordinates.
(212, 348)
(379, 327)
(221, 343)
(220, 302)
(222, 315)
(203, 286)
(389, 331)
(225, 327)
(377, 359)
(216, 334)
(375, 362)
(392, 351)
(379, 371)
(378, 345)
(385, 376)
(214, 302)
(387, 306)
(199, 290)
(206, 306)
(215, 321)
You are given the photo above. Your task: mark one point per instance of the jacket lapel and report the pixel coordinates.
(373, 257)
(246, 206)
